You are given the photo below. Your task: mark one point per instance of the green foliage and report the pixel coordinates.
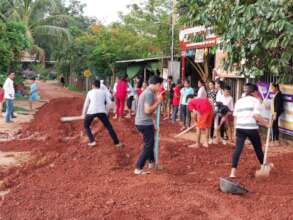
(258, 34)
(41, 71)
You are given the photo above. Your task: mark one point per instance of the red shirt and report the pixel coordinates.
(176, 97)
(121, 89)
(1, 95)
(163, 92)
(139, 91)
(201, 105)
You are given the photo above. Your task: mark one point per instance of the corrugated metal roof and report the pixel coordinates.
(142, 60)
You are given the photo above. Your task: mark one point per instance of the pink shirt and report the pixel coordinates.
(1, 95)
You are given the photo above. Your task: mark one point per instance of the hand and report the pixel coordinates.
(159, 98)
(274, 117)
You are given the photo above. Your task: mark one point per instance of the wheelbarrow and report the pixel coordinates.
(228, 185)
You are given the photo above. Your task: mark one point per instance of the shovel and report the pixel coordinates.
(71, 118)
(265, 169)
(157, 137)
(185, 131)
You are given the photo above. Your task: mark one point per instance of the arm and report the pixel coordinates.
(85, 105)
(152, 108)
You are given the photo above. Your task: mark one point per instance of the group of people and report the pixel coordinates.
(212, 111)
(7, 96)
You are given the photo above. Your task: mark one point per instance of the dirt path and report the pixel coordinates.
(67, 180)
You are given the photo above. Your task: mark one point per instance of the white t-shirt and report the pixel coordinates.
(220, 96)
(229, 102)
(245, 110)
(202, 93)
(96, 102)
(9, 92)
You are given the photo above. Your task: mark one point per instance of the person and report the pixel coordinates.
(9, 96)
(277, 110)
(184, 92)
(220, 131)
(202, 112)
(202, 93)
(1, 99)
(176, 101)
(247, 113)
(169, 94)
(62, 80)
(130, 99)
(95, 107)
(144, 86)
(212, 94)
(148, 102)
(227, 115)
(33, 94)
(120, 96)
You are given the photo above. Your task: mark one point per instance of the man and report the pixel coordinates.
(148, 102)
(202, 112)
(247, 116)
(95, 107)
(277, 110)
(9, 95)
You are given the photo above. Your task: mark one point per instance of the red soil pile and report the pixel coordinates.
(68, 180)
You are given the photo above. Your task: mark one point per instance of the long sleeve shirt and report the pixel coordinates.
(9, 92)
(96, 102)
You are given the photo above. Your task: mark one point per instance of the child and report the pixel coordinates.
(1, 99)
(120, 96)
(176, 101)
(95, 107)
(34, 96)
(147, 105)
(184, 92)
(202, 111)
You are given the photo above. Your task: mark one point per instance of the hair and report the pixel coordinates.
(221, 83)
(251, 88)
(8, 74)
(187, 81)
(202, 82)
(213, 82)
(155, 80)
(170, 77)
(276, 85)
(190, 96)
(227, 87)
(1, 85)
(33, 78)
(97, 83)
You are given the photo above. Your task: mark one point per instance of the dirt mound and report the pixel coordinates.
(68, 180)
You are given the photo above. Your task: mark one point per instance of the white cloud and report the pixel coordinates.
(106, 10)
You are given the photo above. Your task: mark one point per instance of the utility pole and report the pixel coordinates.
(173, 33)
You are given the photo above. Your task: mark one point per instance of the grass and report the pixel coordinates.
(75, 89)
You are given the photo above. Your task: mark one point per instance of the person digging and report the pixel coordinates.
(202, 112)
(247, 113)
(148, 102)
(95, 107)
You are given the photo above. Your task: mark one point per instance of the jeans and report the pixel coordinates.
(104, 119)
(9, 110)
(148, 148)
(174, 113)
(275, 128)
(253, 136)
(185, 116)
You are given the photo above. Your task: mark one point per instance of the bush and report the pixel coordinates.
(41, 71)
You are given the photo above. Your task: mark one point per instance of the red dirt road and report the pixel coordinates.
(68, 180)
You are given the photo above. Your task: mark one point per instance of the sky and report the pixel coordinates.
(106, 10)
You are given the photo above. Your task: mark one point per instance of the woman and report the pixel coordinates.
(34, 95)
(120, 96)
(202, 93)
(212, 94)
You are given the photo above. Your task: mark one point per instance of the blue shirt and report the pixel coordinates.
(184, 93)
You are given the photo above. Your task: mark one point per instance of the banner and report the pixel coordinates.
(286, 119)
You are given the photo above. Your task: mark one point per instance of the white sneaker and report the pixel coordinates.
(211, 141)
(224, 142)
(138, 172)
(92, 144)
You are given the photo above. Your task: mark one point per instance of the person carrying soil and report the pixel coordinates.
(95, 107)
(247, 113)
(202, 112)
(148, 102)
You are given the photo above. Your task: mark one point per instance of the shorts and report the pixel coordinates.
(205, 120)
(129, 102)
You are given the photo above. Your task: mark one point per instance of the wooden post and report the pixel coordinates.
(144, 74)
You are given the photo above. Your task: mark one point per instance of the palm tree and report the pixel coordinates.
(41, 19)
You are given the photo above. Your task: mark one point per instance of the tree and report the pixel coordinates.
(256, 34)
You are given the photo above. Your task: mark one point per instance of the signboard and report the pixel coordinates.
(174, 70)
(199, 56)
(87, 73)
(286, 119)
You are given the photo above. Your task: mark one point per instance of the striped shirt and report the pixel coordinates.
(245, 110)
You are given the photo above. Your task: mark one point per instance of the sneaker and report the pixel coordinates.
(92, 144)
(138, 172)
(211, 141)
(119, 145)
(224, 142)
